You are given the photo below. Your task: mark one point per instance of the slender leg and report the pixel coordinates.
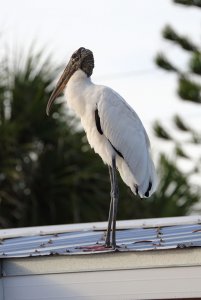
(107, 240)
(115, 202)
(112, 213)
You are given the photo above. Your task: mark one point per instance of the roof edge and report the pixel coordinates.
(126, 224)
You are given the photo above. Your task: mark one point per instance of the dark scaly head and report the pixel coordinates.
(81, 59)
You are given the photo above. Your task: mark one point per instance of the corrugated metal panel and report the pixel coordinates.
(141, 223)
(181, 234)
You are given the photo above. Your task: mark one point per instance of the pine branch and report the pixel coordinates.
(160, 132)
(163, 63)
(195, 63)
(180, 123)
(196, 137)
(183, 41)
(189, 2)
(189, 90)
(180, 152)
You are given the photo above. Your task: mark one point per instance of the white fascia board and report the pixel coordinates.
(102, 262)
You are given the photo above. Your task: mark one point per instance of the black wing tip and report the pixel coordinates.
(136, 192)
(136, 189)
(148, 189)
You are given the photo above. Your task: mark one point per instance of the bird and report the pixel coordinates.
(113, 130)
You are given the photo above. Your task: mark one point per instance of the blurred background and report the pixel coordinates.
(150, 53)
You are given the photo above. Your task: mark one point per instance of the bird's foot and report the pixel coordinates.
(107, 243)
(112, 246)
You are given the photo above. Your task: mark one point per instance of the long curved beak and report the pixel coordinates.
(67, 73)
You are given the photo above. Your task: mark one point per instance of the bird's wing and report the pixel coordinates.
(125, 131)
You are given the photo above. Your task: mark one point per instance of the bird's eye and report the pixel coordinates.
(75, 57)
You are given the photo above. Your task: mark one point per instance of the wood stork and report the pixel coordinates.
(113, 129)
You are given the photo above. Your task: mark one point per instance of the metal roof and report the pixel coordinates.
(132, 235)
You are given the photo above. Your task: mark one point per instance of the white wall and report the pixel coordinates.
(1, 289)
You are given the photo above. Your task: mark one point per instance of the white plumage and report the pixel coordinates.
(113, 129)
(121, 127)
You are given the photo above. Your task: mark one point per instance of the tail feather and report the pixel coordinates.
(144, 188)
(148, 187)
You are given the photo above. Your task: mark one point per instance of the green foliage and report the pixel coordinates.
(189, 90)
(195, 63)
(180, 152)
(169, 34)
(46, 174)
(174, 196)
(160, 131)
(182, 41)
(162, 61)
(174, 185)
(196, 138)
(189, 2)
(180, 123)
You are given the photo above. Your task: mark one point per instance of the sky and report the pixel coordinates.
(124, 36)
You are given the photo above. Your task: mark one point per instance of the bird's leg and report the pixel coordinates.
(115, 201)
(107, 240)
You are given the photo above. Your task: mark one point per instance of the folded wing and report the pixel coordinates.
(125, 131)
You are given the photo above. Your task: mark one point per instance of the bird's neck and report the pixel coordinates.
(76, 91)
